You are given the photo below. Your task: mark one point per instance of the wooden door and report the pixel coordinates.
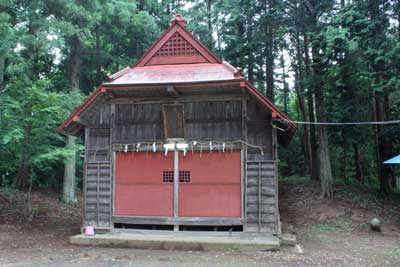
(210, 184)
(144, 184)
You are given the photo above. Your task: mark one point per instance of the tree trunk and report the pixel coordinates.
(2, 69)
(69, 195)
(345, 178)
(21, 179)
(250, 56)
(383, 145)
(69, 167)
(299, 78)
(383, 149)
(269, 61)
(310, 97)
(269, 56)
(325, 170)
(358, 164)
(141, 5)
(98, 57)
(285, 86)
(209, 25)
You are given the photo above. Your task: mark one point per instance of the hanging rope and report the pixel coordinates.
(344, 123)
(191, 145)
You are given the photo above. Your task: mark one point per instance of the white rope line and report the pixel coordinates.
(346, 123)
(211, 145)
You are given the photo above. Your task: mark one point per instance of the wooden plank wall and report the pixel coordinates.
(98, 166)
(138, 122)
(203, 121)
(213, 120)
(210, 120)
(259, 131)
(261, 211)
(98, 202)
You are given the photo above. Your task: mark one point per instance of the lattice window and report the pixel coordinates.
(184, 176)
(168, 176)
(177, 46)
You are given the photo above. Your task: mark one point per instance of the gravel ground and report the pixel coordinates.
(330, 232)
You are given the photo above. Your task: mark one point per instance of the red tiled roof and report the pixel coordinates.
(199, 72)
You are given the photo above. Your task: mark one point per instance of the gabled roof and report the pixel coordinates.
(177, 46)
(177, 58)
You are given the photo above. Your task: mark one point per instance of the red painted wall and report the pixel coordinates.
(139, 187)
(214, 189)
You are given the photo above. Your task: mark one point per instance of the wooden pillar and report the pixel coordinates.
(87, 132)
(176, 188)
(113, 161)
(276, 159)
(243, 164)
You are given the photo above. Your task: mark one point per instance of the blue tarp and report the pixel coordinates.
(394, 160)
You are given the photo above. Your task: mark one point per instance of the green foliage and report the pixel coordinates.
(339, 224)
(29, 118)
(358, 54)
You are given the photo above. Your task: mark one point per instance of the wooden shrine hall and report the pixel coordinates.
(180, 140)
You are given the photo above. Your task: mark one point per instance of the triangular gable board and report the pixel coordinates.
(177, 51)
(177, 46)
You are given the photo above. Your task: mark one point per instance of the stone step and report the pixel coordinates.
(191, 241)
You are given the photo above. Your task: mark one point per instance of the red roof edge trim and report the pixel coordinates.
(79, 109)
(163, 84)
(118, 74)
(268, 103)
(237, 72)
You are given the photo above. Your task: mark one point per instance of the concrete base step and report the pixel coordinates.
(169, 240)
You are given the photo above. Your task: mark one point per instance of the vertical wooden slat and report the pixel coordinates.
(275, 157)
(110, 191)
(112, 159)
(244, 162)
(277, 216)
(98, 192)
(259, 196)
(176, 187)
(85, 164)
(112, 197)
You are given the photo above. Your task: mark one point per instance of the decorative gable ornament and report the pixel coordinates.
(177, 46)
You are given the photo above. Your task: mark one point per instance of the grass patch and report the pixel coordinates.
(395, 251)
(294, 179)
(8, 191)
(322, 227)
(340, 224)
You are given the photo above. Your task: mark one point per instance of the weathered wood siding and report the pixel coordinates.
(98, 178)
(122, 123)
(259, 130)
(203, 121)
(261, 210)
(213, 120)
(99, 114)
(261, 197)
(98, 202)
(98, 145)
(138, 122)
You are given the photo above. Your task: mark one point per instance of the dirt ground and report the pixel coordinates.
(331, 232)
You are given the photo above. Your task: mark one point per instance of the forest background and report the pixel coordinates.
(317, 60)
